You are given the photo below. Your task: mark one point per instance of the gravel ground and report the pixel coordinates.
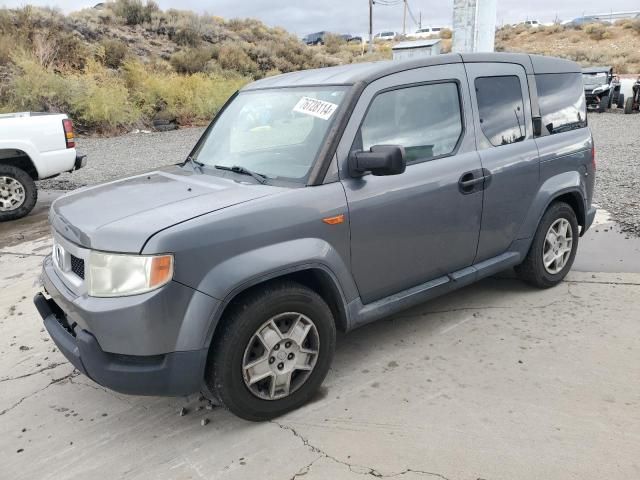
(112, 158)
(617, 138)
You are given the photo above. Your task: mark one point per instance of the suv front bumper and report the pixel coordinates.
(150, 344)
(171, 374)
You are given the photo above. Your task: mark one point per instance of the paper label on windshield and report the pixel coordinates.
(316, 108)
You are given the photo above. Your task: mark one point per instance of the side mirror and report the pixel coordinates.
(379, 160)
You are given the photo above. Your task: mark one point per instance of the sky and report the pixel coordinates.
(351, 16)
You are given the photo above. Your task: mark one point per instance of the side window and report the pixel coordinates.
(562, 103)
(501, 109)
(424, 119)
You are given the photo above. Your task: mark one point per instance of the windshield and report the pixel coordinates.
(276, 132)
(594, 79)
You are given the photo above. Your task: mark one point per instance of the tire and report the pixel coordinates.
(18, 193)
(620, 102)
(628, 105)
(604, 102)
(533, 270)
(232, 351)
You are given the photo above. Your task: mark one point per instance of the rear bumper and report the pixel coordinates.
(589, 217)
(170, 374)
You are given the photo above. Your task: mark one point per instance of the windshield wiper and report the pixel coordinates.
(194, 163)
(243, 171)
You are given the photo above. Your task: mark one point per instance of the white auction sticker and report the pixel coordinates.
(315, 107)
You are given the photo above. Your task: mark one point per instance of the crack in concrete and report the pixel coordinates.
(73, 373)
(354, 468)
(43, 369)
(41, 255)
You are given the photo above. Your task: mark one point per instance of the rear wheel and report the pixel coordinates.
(274, 350)
(18, 193)
(553, 248)
(620, 102)
(628, 105)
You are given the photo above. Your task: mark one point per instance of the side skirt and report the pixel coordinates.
(359, 314)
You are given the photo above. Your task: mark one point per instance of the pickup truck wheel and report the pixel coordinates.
(553, 248)
(18, 193)
(274, 350)
(620, 101)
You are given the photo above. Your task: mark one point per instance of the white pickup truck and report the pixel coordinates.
(33, 146)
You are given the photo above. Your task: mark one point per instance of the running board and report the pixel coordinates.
(359, 314)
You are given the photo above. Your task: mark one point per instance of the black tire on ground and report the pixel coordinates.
(166, 127)
(604, 104)
(532, 269)
(30, 193)
(628, 105)
(620, 102)
(243, 318)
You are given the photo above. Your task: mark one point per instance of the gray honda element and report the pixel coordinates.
(319, 201)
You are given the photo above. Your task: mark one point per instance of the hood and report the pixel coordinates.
(120, 216)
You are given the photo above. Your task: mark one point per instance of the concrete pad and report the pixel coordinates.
(496, 381)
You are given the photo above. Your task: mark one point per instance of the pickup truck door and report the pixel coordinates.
(508, 151)
(410, 228)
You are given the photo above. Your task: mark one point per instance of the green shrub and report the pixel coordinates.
(188, 36)
(596, 31)
(233, 57)
(115, 52)
(134, 12)
(191, 60)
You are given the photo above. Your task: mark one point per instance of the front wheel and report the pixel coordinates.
(274, 350)
(553, 248)
(18, 193)
(620, 102)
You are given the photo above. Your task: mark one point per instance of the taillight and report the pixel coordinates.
(67, 125)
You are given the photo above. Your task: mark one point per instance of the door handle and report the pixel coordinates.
(473, 181)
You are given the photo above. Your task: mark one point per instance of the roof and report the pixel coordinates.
(596, 69)
(369, 72)
(416, 44)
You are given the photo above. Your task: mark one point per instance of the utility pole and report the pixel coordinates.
(404, 18)
(370, 26)
(420, 21)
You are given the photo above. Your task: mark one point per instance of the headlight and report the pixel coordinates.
(115, 275)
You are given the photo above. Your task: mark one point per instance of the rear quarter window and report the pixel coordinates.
(562, 102)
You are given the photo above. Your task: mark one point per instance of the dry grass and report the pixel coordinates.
(590, 45)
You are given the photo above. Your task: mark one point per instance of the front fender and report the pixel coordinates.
(249, 268)
(552, 188)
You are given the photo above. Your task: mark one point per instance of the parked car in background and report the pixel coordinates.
(317, 201)
(315, 38)
(426, 32)
(385, 36)
(351, 38)
(33, 146)
(602, 88)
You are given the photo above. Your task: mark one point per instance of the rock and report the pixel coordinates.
(183, 411)
(204, 422)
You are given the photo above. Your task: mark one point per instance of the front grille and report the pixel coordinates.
(77, 266)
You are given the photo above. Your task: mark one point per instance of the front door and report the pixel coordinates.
(410, 228)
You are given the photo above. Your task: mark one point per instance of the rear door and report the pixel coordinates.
(410, 228)
(508, 152)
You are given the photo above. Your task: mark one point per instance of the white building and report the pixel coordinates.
(417, 48)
